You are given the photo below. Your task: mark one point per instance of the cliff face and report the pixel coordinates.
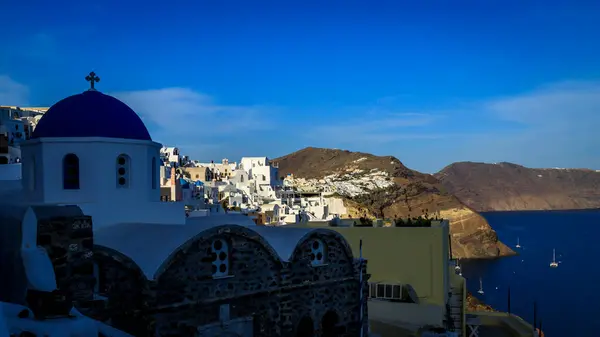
(382, 186)
(511, 187)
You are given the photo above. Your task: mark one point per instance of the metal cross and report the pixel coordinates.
(92, 78)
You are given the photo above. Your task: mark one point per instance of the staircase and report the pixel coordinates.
(455, 314)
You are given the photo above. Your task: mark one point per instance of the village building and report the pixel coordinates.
(86, 236)
(415, 288)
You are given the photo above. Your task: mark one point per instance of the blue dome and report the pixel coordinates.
(91, 114)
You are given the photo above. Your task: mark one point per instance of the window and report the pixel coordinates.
(32, 174)
(264, 177)
(123, 168)
(220, 258)
(385, 291)
(71, 172)
(241, 178)
(154, 178)
(317, 254)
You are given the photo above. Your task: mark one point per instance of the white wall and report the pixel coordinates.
(10, 171)
(32, 174)
(97, 169)
(110, 213)
(336, 206)
(257, 161)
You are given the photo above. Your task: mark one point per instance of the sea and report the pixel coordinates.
(567, 297)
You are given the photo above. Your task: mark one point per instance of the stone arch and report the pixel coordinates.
(323, 235)
(305, 327)
(109, 253)
(125, 290)
(205, 235)
(187, 274)
(329, 324)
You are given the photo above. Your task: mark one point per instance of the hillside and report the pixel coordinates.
(510, 187)
(382, 186)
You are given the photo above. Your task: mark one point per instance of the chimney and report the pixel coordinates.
(174, 183)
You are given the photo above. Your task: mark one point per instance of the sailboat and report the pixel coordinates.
(518, 244)
(457, 267)
(553, 264)
(480, 291)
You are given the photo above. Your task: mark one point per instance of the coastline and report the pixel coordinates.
(545, 210)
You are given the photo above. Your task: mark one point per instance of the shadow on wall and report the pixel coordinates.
(329, 324)
(305, 327)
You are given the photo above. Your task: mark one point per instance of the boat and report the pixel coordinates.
(457, 267)
(518, 244)
(553, 264)
(480, 291)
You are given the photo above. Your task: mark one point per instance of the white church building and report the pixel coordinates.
(90, 249)
(102, 159)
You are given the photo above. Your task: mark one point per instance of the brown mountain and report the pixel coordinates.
(510, 187)
(407, 193)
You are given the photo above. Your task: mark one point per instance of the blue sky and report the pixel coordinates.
(430, 82)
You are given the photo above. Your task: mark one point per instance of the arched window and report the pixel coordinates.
(123, 171)
(154, 178)
(220, 258)
(71, 172)
(317, 254)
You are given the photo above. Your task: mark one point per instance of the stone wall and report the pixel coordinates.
(269, 296)
(314, 291)
(123, 294)
(188, 297)
(275, 294)
(68, 239)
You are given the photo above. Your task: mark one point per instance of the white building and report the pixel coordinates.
(224, 170)
(170, 155)
(86, 233)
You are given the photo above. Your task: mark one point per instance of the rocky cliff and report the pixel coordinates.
(510, 187)
(381, 186)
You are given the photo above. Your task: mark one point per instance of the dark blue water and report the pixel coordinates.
(568, 297)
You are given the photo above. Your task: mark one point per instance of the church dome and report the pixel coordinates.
(91, 114)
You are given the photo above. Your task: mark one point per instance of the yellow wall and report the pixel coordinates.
(408, 255)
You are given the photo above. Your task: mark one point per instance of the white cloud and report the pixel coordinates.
(555, 125)
(13, 92)
(184, 116)
(376, 125)
(563, 105)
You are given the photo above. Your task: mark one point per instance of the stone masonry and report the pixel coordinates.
(261, 294)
